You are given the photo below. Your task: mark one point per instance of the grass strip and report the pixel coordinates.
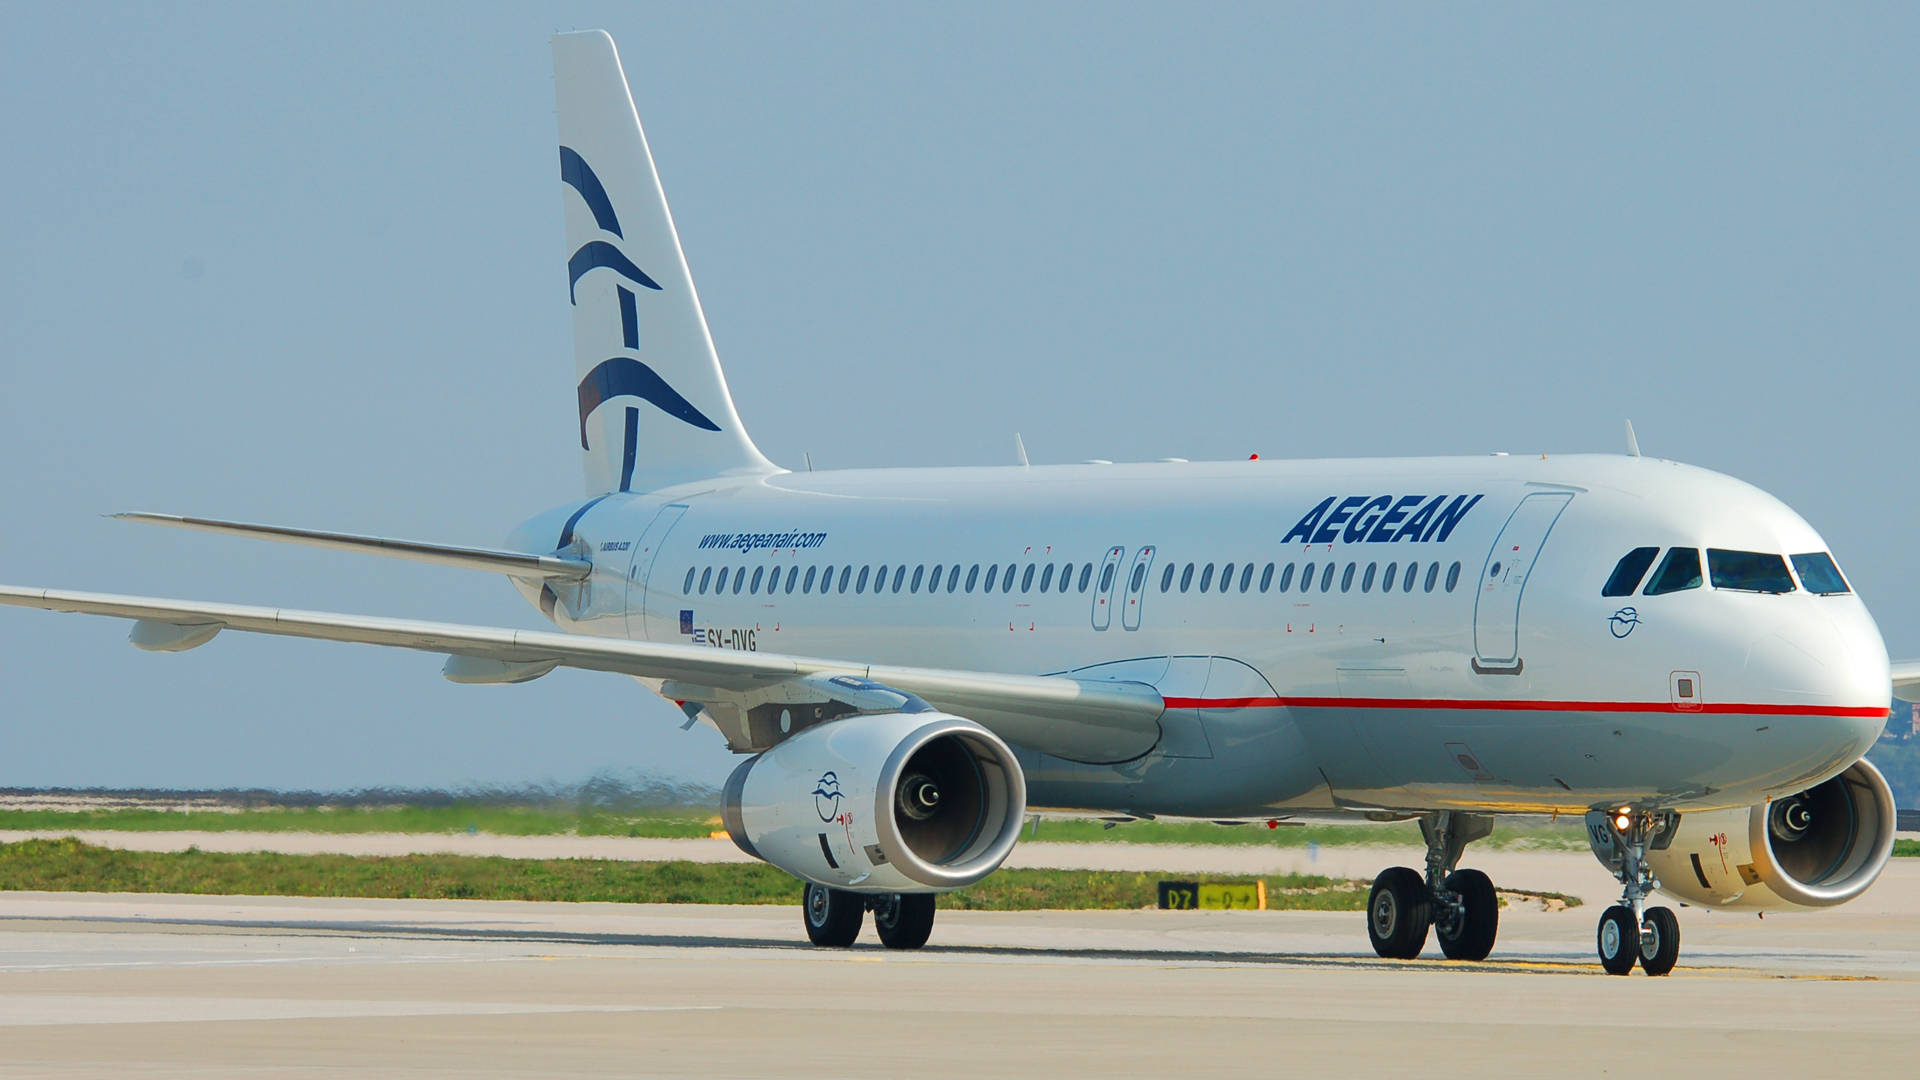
(687, 822)
(67, 865)
(1909, 848)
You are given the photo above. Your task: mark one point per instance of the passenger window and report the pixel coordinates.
(1326, 577)
(1026, 579)
(973, 576)
(739, 579)
(1386, 580)
(993, 575)
(706, 578)
(919, 572)
(1086, 576)
(1006, 578)
(1366, 579)
(1066, 576)
(846, 572)
(720, 586)
(1748, 571)
(1628, 572)
(1206, 577)
(953, 577)
(1453, 576)
(1433, 574)
(1306, 578)
(687, 589)
(1680, 570)
(1106, 577)
(758, 571)
(1139, 578)
(1186, 577)
(806, 586)
(773, 580)
(1819, 575)
(1046, 577)
(1286, 577)
(1246, 577)
(861, 585)
(1226, 577)
(880, 579)
(1266, 578)
(1413, 571)
(899, 576)
(1346, 578)
(1166, 579)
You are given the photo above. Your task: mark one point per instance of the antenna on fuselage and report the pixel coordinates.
(1020, 449)
(809, 458)
(1633, 444)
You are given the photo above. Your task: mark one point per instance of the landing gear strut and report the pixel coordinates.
(833, 917)
(1631, 931)
(1460, 905)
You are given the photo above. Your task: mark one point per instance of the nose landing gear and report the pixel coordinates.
(1631, 931)
(1461, 906)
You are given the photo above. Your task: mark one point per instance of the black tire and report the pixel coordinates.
(903, 920)
(832, 915)
(1619, 940)
(1399, 910)
(1658, 956)
(1470, 937)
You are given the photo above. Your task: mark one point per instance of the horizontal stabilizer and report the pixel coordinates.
(516, 564)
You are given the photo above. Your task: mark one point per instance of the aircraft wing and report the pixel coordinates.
(1906, 680)
(1083, 720)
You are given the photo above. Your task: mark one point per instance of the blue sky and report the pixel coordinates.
(304, 265)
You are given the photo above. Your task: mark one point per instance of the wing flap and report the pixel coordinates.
(1081, 720)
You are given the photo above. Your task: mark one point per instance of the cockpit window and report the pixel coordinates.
(1819, 575)
(1628, 572)
(1679, 570)
(1748, 571)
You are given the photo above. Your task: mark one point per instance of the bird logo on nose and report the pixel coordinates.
(1623, 622)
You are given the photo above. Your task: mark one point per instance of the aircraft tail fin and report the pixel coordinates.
(654, 406)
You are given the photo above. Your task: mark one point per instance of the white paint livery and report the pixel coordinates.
(1435, 638)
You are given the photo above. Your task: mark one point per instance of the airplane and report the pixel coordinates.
(909, 660)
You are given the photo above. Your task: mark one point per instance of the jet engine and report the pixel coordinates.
(883, 803)
(1816, 849)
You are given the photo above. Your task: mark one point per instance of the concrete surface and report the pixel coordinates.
(165, 986)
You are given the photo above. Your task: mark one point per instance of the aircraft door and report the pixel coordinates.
(646, 551)
(1496, 607)
(1136, 587)
(1103, 588)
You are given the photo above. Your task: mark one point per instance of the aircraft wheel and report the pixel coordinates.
(904, 919)
(1660, 941)
(1470, 937)
(832, 915)
(1619, 940)
(1399, 910)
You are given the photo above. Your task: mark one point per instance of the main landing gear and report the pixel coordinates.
(1631, 931)
(833, 917)
(1460, 906)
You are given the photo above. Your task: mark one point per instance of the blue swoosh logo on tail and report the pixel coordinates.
(624, 376)
(578, 175)
(598, 253)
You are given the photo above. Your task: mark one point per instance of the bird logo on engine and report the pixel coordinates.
(826, 796)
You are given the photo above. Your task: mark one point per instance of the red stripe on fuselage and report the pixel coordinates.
(1520, 706)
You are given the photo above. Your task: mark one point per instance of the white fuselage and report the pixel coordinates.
(1434, 637)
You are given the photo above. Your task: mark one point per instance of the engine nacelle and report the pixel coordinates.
(893, 802)
(1816, 849)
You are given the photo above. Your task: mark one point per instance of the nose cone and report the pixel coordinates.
(1831, 658)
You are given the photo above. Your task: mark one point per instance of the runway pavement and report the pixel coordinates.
(161, 986)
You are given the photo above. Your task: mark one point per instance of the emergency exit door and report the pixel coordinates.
(1503, 581)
